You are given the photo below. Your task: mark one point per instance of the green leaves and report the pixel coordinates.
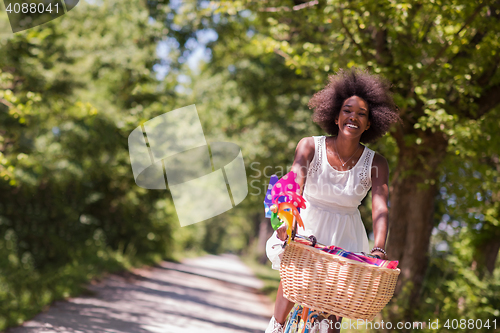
(436, 118)
(455, 289)
(70, 93)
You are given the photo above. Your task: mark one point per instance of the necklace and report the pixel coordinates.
(340, 158)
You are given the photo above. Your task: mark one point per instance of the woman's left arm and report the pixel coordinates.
(380, 196)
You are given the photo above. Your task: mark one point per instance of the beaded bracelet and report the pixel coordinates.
(378, 249)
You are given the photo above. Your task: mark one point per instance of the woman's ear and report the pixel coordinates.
(337, 121)
(368, 125)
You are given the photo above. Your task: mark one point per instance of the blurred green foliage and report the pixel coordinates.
(463, 280)
(71, 91)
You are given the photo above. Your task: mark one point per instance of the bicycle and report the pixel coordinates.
(359, 289)
(303, 319)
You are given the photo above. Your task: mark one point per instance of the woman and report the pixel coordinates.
(354, 107)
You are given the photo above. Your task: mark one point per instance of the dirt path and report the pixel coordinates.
(203, 295)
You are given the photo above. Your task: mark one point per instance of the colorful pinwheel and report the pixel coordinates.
(286, 184)
(283, 202)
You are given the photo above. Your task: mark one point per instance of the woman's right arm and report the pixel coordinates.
(304, 154)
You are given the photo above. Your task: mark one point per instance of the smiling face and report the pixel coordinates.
(353, 117)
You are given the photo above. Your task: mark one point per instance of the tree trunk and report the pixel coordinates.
(486, 251)
(412, 196)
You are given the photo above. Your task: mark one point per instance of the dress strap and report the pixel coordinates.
(318, 155)
(365, 173)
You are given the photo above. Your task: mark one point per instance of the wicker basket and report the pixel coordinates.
(334, 284)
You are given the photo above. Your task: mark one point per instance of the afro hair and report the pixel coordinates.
(374, 90)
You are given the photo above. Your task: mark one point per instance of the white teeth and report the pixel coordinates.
(351, 126)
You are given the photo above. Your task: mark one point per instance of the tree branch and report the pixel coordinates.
(471, 45)
(447, 44)
(426, 27)
(351, 37)
(441, 52)
(286, 56)
(7, 103)
(429, 27)
(489, 72)
(410, 21)
(288, 9)
(383, 55)
(488, 100)
(490, 97)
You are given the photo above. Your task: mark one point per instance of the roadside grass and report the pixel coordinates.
(266, 274)
(178, 255)
(26, 291)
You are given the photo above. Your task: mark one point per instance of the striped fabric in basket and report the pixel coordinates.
(353, 256)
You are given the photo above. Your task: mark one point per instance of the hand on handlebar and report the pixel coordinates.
(380, 254)
(281, 233)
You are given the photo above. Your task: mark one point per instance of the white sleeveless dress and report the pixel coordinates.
(332, 199)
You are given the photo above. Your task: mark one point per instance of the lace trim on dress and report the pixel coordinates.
(319, 148)
(364, 175)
